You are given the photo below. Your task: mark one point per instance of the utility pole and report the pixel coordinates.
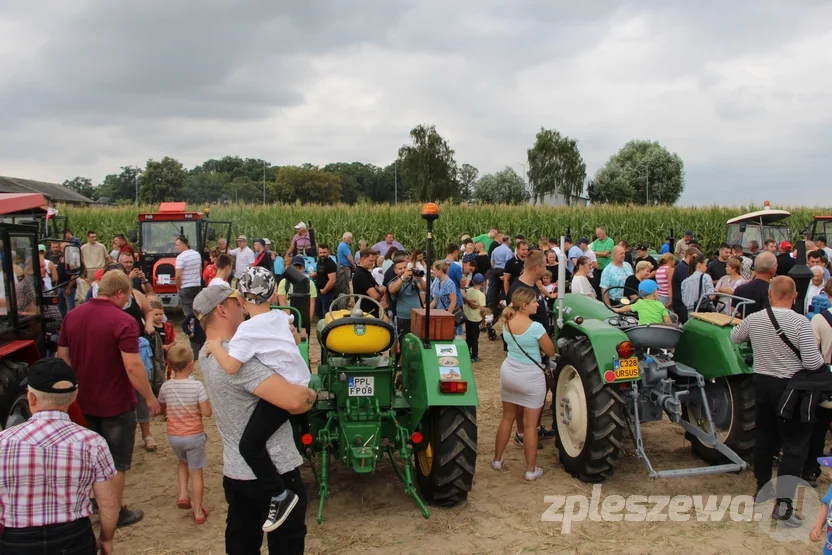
(264, 182)
(647, 184)
(522, 165)
(136, 183)
(396, 180)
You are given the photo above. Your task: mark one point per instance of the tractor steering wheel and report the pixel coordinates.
(627, 292)
(358, 298)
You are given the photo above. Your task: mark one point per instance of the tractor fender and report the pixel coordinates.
(423, 370)
(603, 338)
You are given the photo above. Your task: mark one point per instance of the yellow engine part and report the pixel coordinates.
(364, 337)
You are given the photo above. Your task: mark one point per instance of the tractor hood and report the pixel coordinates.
(583, 306)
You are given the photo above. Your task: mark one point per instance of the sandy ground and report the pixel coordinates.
(371, 514)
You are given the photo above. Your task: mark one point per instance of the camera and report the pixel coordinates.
(418, 273)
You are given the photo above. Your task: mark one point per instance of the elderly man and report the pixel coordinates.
(774, 364)
(48, 468)
(603, 247)
(344, 255)
(233, 398)
(100, 340)
(765, 268)
(243, 257)
(301, 242)
(614, 276)
(188, 274)
(222, 244)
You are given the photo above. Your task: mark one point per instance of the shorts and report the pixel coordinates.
(190, 449)
(142, 412)
(119, 432)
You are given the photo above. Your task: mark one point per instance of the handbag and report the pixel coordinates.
(782, 335)
(705, 305)
(547, 372)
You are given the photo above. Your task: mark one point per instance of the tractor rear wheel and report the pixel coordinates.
(445, 465)
(14, 408)
(588, 415)
(731, 401)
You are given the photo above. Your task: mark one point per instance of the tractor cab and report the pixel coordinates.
(32, 209)
(821, 226)
(156, 236)
(759, 226)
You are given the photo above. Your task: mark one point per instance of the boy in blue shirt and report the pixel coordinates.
(824, 518)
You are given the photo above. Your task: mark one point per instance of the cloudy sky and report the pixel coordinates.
(740, 89)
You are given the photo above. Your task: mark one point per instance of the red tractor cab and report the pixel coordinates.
(156, 237)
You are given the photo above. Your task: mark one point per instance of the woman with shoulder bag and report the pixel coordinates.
(522, 379)
(443, 291)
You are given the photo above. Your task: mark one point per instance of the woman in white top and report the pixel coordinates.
(730, 281)
(580, 281)
(50, 272)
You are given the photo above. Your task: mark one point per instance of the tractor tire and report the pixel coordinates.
(14, 408)
(731, 401)
(589, 415)
(445, 465)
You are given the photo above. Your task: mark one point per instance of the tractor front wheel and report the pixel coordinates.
(731, 401)
(588, 414)
(446, 462)
(14, 407)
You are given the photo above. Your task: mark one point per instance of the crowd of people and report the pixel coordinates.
(117, 364)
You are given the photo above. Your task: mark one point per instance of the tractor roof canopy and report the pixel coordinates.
(761, 217)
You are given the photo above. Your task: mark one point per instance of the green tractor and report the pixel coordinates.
(425, 409)
(613, 373)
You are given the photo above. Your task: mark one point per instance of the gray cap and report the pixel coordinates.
(208, 299)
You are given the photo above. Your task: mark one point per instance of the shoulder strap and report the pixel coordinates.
(522, 350)
(781, 333)
(827, 316)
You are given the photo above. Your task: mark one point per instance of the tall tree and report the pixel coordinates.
(555, 166)
(307, 184)
(429, 166)
(503, 187)
(121, 186)
(467, 178)
(163, 180)
(82, 186)
(642, 172)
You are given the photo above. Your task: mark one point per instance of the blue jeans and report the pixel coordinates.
(322, 303)
(66, 302)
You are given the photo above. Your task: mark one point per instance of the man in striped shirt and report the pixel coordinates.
(48, 465)
(774, 365)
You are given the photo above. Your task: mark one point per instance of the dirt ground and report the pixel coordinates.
(372, 514)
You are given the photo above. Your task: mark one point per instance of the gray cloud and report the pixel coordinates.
(740, 90)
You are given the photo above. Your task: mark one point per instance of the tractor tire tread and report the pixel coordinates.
(454, 459)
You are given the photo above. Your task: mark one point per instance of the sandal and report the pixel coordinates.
(150, 443)
(184, 503)
(204, 516)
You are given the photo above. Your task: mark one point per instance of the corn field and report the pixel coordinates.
(635, 224)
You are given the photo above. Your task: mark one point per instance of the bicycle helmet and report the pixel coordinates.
(257, 285)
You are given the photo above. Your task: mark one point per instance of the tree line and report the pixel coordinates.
(642, 172)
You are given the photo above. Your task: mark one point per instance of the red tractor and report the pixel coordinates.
(156, 235)
(23, 220)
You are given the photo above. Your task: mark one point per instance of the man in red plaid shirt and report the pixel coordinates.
(48, 465)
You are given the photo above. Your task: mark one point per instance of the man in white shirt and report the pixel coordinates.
(243, 256)
(188, 274)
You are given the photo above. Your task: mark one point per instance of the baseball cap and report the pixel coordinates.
(647, 287)
(300, 225)
(261, 241)
(42, 248)
(208, 299)
(267, 241)
(46, 372)
(478, 279)
(583, 241)
(641, 248)
(469, 258)
(785, 245)
(689, 232)
(824, 461)
(298, 260)
(242, 238)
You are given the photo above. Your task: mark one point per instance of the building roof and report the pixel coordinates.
(55, 192)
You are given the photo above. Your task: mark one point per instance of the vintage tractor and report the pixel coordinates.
(819, 226)
(613, 373)
(759, 226)
(155, 238)
(367, 407)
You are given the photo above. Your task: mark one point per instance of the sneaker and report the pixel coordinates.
(543, 433)
(126, 516)
(475, 359)
(497, 465)
(765, 493)
(784, 514)
(279, 510)
(518, 439)
(532, 476)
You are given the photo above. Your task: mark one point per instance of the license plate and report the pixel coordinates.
(361, 386)
(626, 369)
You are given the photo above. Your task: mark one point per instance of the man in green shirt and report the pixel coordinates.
(602, 247)
(486, 239)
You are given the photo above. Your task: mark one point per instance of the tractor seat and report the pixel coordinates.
(346, 333)
(654, 336)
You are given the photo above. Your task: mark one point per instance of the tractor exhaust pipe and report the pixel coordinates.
(561, 279)
(430, 213)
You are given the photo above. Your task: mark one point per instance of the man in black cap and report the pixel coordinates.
(642, 255)
(50, 449)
